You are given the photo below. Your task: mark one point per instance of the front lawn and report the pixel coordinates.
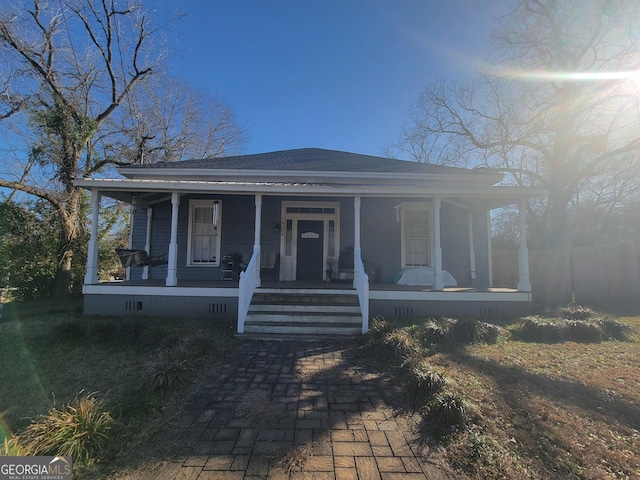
(50, 355)
(562, 410)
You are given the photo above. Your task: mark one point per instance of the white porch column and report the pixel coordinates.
(258, 224)
(472, 251)
(172, 279)
(438, 284)
(356, 229)
(524, 284)
(489, 249)
(147, 243)
(91, 276)
(256, 236)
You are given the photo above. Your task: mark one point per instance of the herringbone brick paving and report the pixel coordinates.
(287, 410)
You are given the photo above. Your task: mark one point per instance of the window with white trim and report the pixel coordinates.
(204, 232)
(416, 235)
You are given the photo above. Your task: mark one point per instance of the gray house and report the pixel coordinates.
(309, 240)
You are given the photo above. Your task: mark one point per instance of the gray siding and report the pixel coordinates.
(454, 239)
(481, 247)
(380, 235)
(380, 238)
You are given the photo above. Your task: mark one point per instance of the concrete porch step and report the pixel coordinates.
(302, 329)
(309, 337)
(304, 308)
(305, 313)
(304, 318)
(304, 298)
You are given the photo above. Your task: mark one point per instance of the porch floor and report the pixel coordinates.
(305, 285)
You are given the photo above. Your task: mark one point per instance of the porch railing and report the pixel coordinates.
(249, 281)
(361, 284)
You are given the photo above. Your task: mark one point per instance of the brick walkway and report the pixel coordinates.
(286, 411)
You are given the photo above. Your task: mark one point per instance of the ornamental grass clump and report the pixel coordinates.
(164, 373)
(613, 329)
(379, 328)
(402, 345)
(540, 329)
(80, 430)
(573, 323)
(469, 331)
(446, 410)
(433, 332)
(11, 448)
(423, 382)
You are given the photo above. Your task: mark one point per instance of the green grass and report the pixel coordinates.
(50, 355)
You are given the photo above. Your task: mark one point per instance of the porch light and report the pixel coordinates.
(397, 207)
(276, 228)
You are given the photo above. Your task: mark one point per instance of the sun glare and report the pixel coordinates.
(543, 75)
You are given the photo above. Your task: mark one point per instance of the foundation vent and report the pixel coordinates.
(217, 308)
(403, 311)
(488, 312)
(132, 305)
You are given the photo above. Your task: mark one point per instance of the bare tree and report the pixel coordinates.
(559, 108)
(68, 67)
(71, 104)
(169, 120)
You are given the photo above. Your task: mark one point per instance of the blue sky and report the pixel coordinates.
(337, 74)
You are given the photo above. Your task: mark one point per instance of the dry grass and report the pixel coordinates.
(568, 410)
(296, 459)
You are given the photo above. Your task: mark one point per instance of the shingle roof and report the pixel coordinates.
(308, 159)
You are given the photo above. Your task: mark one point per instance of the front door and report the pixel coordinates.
(309, 266)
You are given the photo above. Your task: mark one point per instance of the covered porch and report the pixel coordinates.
(173, 289)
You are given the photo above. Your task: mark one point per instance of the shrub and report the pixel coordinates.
(164, 373)
(553, 330)
(582, 332)
(11, 448)
(433, 333)
(573, 312)
(447, 409)
(613, 328)
(423, 383)
(470, 330)
(379, 328)
(80, 430)
(402, 344)
(539, 329)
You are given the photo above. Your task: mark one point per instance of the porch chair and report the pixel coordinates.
(139, 258)
(231, 266)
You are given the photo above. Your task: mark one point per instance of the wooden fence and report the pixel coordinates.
(585, 275)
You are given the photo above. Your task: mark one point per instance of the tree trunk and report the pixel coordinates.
(68, 239)
(557, 223)
(62, 280)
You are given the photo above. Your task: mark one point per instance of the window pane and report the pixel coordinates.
(332, 239)
(204, 233)
(417, 238)
(289, 238)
